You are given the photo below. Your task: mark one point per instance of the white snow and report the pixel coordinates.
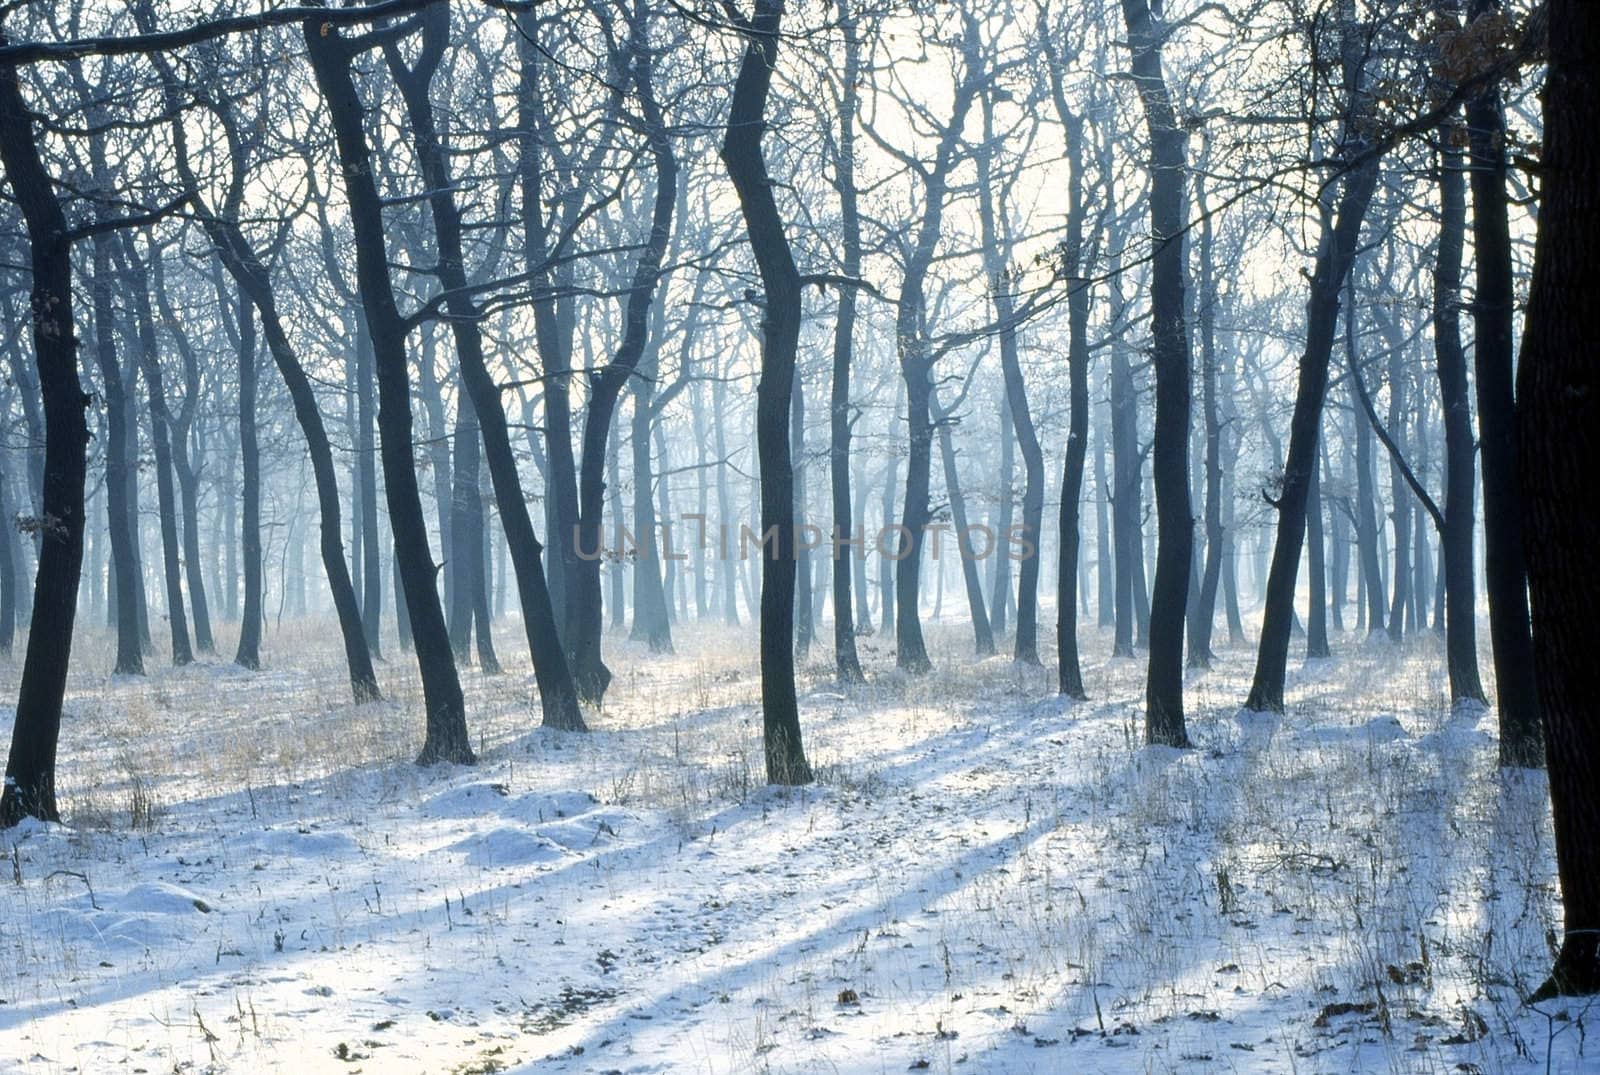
(254, 877)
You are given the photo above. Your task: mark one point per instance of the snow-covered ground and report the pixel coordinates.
(254, 877)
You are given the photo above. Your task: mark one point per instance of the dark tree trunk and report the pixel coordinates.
(30, 777)
(1164, 723)
(160, 437)
(1505, 569)
(1317, 616)
(1366, 493)
(1105, 570)
(1455, 537)
(584, 601)
(447, 737)
(746, 164)
(1335, 254)
(1557, 442)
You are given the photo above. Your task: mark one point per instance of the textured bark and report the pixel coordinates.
(1557, 443)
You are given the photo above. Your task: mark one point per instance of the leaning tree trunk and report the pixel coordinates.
(584, 602)
(983, 634)
(1557, 442)
(1505, 568)
(254, 280)
(1164, 723)
(447, 738)
(1335, 254)
(366, 511)
(747, 168)
(30, 777)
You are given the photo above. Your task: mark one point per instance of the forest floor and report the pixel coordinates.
(254, 877)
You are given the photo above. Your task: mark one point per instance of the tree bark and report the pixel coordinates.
(1557, 442)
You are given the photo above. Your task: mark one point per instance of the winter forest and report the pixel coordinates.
(799, 536)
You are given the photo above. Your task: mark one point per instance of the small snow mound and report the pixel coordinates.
(297, 843)
(508, 847)
(589, 830)
(482, 799)
(159, 897)
(1384, 728)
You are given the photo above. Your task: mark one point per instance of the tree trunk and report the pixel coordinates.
(1455, 538)
(251, 275)
(746, 165)
(248, 655)
(166, 497)
(1164, 723)
(1335, 254)
(1557, 441)
(30, 777)
(1505, 568)
(447, 737)
(845, 659)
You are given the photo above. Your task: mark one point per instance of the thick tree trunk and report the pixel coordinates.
(447, 737)
(746, 164)
(30, 776)
(1505, 569)
(1317, 615)
(1557, 443)
(1164, 723)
